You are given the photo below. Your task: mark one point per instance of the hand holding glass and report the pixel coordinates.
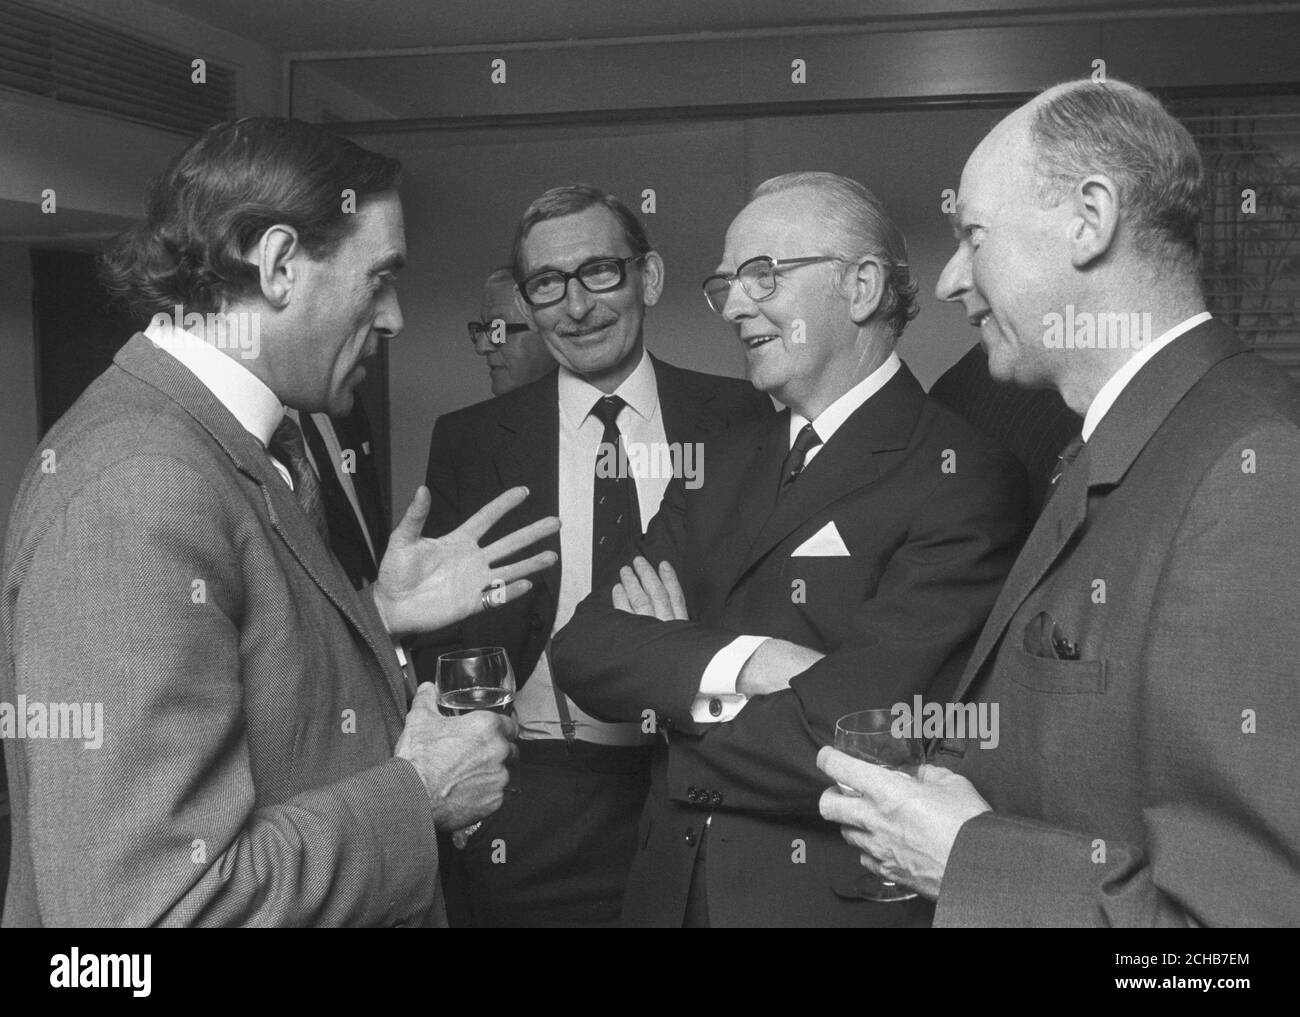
(867, 735)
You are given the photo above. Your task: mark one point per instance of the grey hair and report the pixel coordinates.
(1123, 131)
(856, 225)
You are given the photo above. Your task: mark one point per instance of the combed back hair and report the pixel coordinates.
(569, 199)
(502, 275)
(218, 196)
(1120, 130)
(856, 225)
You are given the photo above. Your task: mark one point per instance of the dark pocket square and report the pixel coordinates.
(1044, 638)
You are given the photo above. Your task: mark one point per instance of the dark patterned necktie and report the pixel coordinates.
(347, 540)
(804, 442)
(1068, 455)
(287, 445)
(615, 512)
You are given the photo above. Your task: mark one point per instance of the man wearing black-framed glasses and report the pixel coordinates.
(515, 353)
(586, 275)
(838, 559)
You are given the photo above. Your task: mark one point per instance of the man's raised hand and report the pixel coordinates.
(426, 583)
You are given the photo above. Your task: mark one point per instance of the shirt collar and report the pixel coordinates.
(830, 419)
(1109, 392)
(257, 409)
(639, 391)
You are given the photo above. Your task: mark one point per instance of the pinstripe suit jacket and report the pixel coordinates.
(158, 565)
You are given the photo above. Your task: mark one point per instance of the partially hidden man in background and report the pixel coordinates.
(262, 761)
(503, 336)
(592, 442)
(839, 558)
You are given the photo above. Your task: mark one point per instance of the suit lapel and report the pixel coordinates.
(755, 497)
(685, 418)
(140, 358)
(526, 450)
(1143, 405)
(884, 423)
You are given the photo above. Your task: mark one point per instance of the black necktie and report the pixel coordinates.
(615, 513)
(287, 446)
(804, 442)
(347, 539)
(1068, 455)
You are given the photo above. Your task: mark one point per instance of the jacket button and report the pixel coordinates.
(691, 837)
(692, 795)
(715, 707)
(716, 798)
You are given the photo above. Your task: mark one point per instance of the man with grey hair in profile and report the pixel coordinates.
(840, 558)
(515, 352)
(1144, 650)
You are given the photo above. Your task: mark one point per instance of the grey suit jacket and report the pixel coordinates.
(1151, 778)
(157, 564)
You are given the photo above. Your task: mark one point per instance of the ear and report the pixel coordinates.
(867, 288)
(652, 278)
(525, 308)
(1095, 220)
(276, 257)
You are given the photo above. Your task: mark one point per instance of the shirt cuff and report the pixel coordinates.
(718, 701)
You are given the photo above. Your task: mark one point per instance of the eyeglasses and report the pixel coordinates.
(600, 275)
(757, 278)
(494, 331)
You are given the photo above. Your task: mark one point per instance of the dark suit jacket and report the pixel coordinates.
(1035, 424)
(478, 452)
(251, 698)
(1131, 786)
(898, 615)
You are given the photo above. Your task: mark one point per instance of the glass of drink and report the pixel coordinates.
(477, 679)
(867, 735)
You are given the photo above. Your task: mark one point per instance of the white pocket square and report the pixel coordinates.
(825, 543)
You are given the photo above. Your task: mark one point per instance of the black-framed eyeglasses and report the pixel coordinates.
(496, 331)
(757, 278)
(600, 275)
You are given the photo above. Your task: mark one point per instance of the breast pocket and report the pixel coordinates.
(1058, 677)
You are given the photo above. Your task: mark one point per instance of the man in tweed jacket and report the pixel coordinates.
(259, 760)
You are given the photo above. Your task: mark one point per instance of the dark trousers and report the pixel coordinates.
(558, 851)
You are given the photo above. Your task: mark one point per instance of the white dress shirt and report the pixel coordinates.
(641, 421)
(719, 679)
(1110, 391)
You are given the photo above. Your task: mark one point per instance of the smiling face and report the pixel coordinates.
(522, 356)
(340, 307)
(1011, 267)
(595, 335)
(800, 342)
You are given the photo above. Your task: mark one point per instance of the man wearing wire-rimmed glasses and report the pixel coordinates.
(838, 559)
